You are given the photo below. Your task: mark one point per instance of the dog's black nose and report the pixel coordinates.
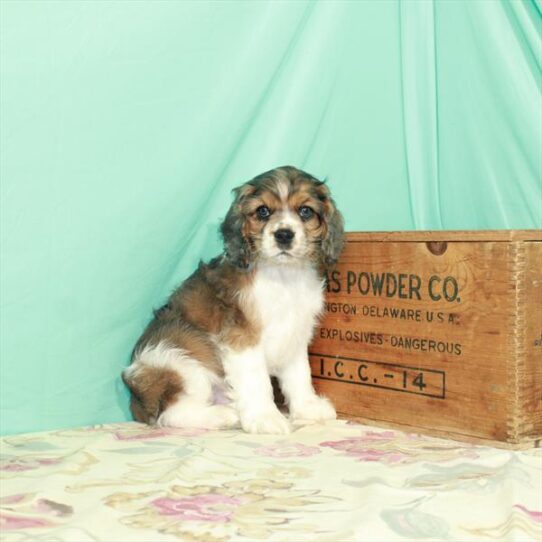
(284, 236)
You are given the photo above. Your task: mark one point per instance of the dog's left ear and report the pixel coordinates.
(333, 240)
(236, 244)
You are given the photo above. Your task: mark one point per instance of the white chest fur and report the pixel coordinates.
(288, 300)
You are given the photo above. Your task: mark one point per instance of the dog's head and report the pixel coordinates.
(284, 216)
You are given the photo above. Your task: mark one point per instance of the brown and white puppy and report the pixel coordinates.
(245, 316)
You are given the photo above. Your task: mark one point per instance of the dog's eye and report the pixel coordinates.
(305, 212)
(263, 212)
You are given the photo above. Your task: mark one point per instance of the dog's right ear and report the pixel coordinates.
(333, 241)
(236, 243)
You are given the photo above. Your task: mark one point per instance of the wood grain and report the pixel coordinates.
(437, 337)
(446, 235)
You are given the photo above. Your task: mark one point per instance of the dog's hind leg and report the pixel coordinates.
(173, 389)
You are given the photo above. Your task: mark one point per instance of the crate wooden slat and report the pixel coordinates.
(437, 332)
(444, 235)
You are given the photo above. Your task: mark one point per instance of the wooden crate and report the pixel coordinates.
(436, 332)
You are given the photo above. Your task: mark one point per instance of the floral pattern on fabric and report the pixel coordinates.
(252, 509)
(393, 448)
(26, 511)
(332, 482)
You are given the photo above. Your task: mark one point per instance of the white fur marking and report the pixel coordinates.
(288, 299)
(194, 407)
(247, 374)
(282, 189)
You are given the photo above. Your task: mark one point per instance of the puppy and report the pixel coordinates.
(206, 358)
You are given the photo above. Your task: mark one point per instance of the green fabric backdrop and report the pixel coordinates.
(124, 126)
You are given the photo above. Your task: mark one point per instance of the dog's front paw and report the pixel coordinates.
(269, 422)
(312, 410)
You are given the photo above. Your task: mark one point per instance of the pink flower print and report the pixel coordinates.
(48, 462)
(20, 522)
(139, 435)
(13, 464)
(380, 455)
(535, 515)
(29, 506)
(365, 449)
(287, 449)
(207, 507)
(152, 433)
(13, 499)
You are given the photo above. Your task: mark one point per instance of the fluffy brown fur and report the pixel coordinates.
(210, 307)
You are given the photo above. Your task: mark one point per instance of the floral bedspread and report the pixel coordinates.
(334, 482)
